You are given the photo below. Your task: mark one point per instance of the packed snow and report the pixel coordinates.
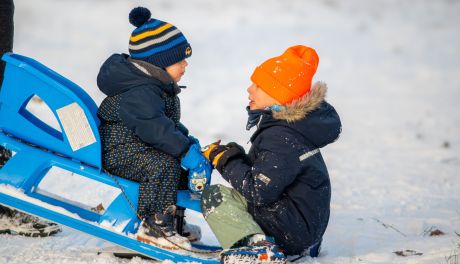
(392, 68)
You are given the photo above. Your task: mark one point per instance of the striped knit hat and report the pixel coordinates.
(155, 41)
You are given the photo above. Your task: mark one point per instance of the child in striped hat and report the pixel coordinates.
(142, 137)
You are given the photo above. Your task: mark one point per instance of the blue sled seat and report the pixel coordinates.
(75, 148)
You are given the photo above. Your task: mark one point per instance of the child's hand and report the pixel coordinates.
(213, 152)
(218, 154)
(199, 169)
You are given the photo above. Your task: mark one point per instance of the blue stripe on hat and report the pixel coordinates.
(148, 25)
(159, 49)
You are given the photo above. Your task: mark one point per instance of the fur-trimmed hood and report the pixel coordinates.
(301, 107)
(311, 116)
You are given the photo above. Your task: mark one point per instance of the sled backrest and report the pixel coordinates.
(72, 107)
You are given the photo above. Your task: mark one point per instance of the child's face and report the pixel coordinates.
(177, 70)
(258, 99)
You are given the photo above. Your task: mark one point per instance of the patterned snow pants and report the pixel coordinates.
(159, 176)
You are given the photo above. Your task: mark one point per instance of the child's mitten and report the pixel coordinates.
(199, 168)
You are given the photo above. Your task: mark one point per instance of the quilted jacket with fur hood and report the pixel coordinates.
(284, 177)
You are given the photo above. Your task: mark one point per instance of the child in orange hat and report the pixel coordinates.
(280, 201)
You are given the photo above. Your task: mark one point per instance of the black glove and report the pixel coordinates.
(233, 150)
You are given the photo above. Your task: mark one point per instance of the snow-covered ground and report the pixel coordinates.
(393, 70)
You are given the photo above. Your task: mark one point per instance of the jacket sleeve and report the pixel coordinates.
(143, 111)
(182, 128)
(264, 181)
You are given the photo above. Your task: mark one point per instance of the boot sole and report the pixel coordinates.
(232, 259)
(38, 233)
(149, 241)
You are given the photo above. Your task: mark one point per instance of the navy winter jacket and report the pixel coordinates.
(143, 104)
(284, 177)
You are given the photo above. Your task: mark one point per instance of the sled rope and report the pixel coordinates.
(140, 217)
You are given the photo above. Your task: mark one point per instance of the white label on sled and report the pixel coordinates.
(76, 126)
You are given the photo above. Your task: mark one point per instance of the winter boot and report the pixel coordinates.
(158, 230)
(192, 232)
(17, 223)
(258, 249)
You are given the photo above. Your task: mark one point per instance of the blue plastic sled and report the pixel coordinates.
(75, 148)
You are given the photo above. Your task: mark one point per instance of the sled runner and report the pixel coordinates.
(75, 148)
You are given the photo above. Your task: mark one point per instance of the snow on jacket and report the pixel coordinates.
(284, 177)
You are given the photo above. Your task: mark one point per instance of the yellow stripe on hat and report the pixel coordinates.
(154, 41)
(150, 33)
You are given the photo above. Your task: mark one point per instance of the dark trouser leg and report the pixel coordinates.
(6, 31)
(6, 45)
(159, 190)
(158, 176)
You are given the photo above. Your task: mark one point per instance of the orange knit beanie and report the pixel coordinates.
(287, 77)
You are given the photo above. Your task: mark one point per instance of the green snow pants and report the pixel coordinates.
(226, 212)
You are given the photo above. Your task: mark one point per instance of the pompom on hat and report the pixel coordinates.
(288, 76)
(155, 41)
